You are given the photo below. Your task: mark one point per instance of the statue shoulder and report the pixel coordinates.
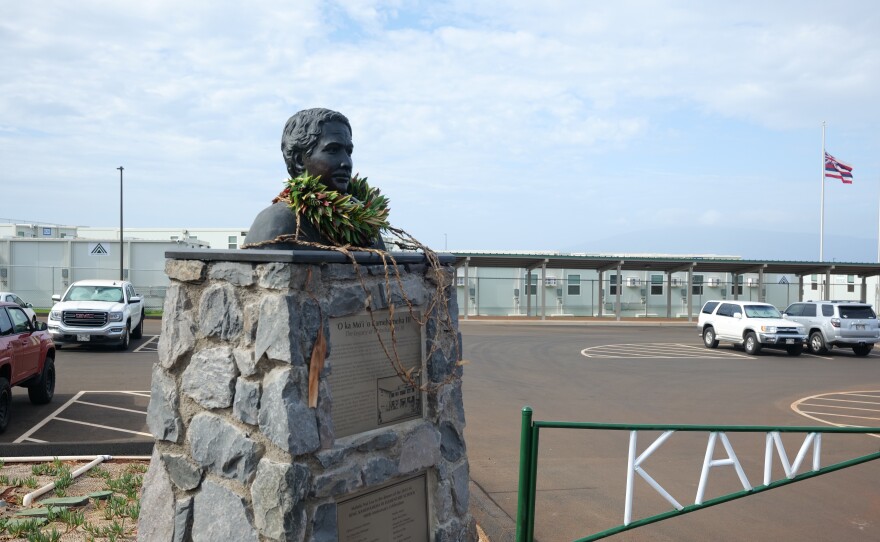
(276, 219)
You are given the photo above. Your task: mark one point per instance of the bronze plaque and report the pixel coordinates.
(367, 393)
(393, 513)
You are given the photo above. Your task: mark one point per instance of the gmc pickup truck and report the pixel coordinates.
(97, 312)
(27, 358)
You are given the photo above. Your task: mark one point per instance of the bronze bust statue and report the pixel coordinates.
(318, 142)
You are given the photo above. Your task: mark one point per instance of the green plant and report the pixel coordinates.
(40, 536)
(23, 528)
(63, 482)
(127, 483)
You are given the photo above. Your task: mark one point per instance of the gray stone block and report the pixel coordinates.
(339, 481)
(178, 337)
(245, 361)
(420, 449)
(184, 473)
(246, 406)
(277, 494)
(220, 514)
(345, 300)
(324, 527)
(209, 379)
(451, 442)
(157, 503)
(163, 417)
(285, 418)
(277, 331)
(378, 469)
(185, 270)
(219, 312)
(459, 480)
(222, 448)
(183, 510)
(337, 271)
(373, 443)
(239, 274)
(274, 276)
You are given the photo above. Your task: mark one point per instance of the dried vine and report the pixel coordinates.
(329, 211)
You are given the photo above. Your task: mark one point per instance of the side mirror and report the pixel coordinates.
(135, 299)
(56, 298)
(42, 326)
(737, 315)
(785, 315)
(28, 305)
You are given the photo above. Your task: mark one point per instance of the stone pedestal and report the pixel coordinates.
(239, 454)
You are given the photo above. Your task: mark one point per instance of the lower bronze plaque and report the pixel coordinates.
(393, 513)
(367, 393)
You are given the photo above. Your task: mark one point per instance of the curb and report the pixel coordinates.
(495, 523)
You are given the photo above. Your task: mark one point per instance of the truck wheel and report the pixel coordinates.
(709, 338)
(5, 403)
(42, 391)
(794, 350)
(817, 343)
(138, 331)
(862, 349)
(126, 337)
(751, 345)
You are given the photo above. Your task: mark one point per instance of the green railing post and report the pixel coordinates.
(525, 469)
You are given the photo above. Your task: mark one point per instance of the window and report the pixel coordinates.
(20, 321)
(574, 285)
(612, 285)
(656, 284)
(827, 310)
(737, 289)
(233, 242)
(809, 310)
(727, 309)
(850, 283)
(532, 288)
(709, 307)
(814, 279)
(697, 286)
(795, 310)
(5, 323)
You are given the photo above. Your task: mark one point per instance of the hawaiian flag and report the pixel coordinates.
(835, 169)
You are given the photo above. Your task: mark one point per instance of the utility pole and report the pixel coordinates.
(121, 272)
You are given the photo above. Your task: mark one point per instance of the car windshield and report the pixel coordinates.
(94, 293)
(761, 311)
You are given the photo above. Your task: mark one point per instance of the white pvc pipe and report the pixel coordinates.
(42, 458)
(29, 498)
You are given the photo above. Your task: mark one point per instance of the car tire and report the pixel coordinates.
(751, 344)
(126, 338)
(709, 340)
(794, 350)
(138, 330)
(817, 343)
(5, 403)
(42, 391)
(862, 349)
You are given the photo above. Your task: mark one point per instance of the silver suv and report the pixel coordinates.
(848, 324)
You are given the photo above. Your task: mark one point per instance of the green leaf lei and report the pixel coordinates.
(355, 218)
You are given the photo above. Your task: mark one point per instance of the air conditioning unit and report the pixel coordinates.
(550, 281)
(632, 281)
(752, 283)
(677, 282)
(459, 281)
(714, 282)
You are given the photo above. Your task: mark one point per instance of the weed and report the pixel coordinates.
(63, 482)
(39, 536)
(24, 528)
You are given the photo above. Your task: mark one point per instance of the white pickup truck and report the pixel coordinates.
(97, 312)
(751, 325)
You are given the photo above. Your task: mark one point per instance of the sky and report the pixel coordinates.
(573, 126)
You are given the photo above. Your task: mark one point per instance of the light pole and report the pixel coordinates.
(121, 275)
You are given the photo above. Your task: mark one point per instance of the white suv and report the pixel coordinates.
(97, 312)
(750, 324)
(846, 324)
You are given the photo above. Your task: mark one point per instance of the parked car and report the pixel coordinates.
(97, 312)
(10, 297)
(846, 324)
(27, 358)
(750, 324)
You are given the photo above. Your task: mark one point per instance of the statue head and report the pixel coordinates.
(318, 142)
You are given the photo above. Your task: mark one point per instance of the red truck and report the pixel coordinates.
(27, 359)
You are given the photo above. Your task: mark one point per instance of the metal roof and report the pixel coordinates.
(668, 264)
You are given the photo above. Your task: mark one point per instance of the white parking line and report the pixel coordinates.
(60, 419)
(842, 407)
(144, 412)
(839, 415)
(152, 342)
(76, 399)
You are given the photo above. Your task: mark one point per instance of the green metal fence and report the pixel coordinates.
(528, 466)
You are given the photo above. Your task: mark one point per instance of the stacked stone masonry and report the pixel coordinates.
(239, 455)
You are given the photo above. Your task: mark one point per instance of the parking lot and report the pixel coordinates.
(600, 373)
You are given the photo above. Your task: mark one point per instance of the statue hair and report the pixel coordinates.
(302, 131)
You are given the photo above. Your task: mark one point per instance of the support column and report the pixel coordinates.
(601, 294)
(668, 294)
(543, 290)
(528, 293)
(690, 294)
(828, 294)
(761, 296)
(735, 286)
(800, 288)
(467, 288)
(863, 295)
(617, 294)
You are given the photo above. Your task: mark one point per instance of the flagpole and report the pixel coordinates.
(822, 201)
